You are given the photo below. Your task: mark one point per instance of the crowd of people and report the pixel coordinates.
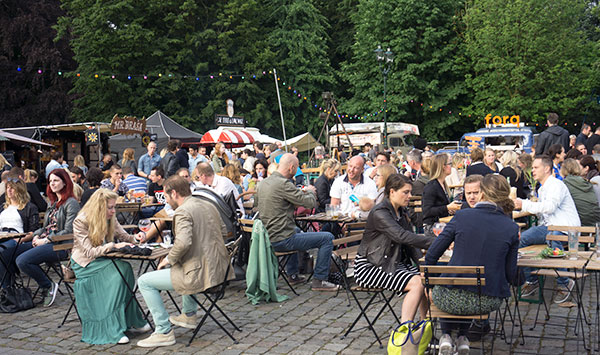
(558, 182)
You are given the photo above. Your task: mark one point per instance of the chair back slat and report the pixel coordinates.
(61, 238)
(65, 246)
(462, 281)
(357, 237)
(446, 269)
(565, 229)
(565, 238)
(246, 225)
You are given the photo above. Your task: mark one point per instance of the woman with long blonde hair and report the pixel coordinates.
(100, 292)
(129, 160)
(329, 170)
(219, 157)
(435, 200)
(513, 173)
(19, 215)
(79, 162)
(4, 164)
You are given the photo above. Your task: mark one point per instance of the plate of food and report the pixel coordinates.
(552, 253)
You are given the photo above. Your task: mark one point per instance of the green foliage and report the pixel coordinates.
(529, 58)
(426, 69)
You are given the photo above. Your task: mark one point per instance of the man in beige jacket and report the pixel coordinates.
(198, 259)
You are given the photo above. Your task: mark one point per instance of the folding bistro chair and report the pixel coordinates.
(473, 276)
(214, 294)
(344, 253)
(282, 257)
(68, 245)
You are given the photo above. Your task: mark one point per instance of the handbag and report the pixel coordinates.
(410, 338)
(15, 298)
(67, 271)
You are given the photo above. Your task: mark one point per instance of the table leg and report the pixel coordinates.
(11, 259)
(132, 292)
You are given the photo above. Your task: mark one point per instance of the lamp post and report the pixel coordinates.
(385, 59)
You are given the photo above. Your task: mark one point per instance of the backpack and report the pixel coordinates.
(227, 207)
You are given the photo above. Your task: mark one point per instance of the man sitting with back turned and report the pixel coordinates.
(199, 261)
(276, 198)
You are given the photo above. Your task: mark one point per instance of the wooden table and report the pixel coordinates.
(578, 266)
(157, 254)
(5, 263)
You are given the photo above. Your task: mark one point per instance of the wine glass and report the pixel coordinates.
(144, 224)
(438, 228)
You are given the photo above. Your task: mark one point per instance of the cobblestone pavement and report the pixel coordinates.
(311, 323)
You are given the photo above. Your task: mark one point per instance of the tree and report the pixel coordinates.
(168, 41)
(428, 66)
(29, 97)
(529, 58)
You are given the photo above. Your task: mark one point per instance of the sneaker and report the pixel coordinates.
(295, 279)
(529, 289)
(124, 340)
(446, 347)
(49, 295)
(184, 321)
(565, 292)
(143, 329)
(158, 339)
(477, 330)
(322, 285)
(462, 345)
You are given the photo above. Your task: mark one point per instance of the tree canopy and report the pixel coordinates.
(455, 61)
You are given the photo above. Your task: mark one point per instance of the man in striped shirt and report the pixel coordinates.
(135, 183)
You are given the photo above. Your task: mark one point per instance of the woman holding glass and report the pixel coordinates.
(100, 292)
(435, 200)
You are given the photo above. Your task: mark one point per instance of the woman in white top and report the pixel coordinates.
(17, 215)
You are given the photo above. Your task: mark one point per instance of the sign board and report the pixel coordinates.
(91, 137)
(512, 120)
(128, 125)
(225, 120)
(358, 139)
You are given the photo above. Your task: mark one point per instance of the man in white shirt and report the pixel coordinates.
(220, 184)
(347, 189)
(555, 207)
(56, 163)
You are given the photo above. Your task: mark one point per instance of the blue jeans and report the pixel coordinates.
(305, 241)
(537, 235)
(30, 259)
(151, 284)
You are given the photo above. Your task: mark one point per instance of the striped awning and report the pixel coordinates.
(229, 137)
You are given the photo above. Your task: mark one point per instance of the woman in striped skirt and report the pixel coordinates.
(389, 251)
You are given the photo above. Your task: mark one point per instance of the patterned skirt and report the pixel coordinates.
(369, 275)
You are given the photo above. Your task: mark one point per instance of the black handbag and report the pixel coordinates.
(15, 298)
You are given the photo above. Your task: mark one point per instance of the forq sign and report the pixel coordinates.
(502, 120)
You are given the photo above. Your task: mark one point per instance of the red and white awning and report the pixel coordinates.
(229, 137)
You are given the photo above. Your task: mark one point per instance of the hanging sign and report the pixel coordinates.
(505, 121)
(91, 137)
(128, 125)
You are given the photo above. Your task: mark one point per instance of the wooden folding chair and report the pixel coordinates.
(473, 276)
(68, 246)
(282, 257)
(216, 293)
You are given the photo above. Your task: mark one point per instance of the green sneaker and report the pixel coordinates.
(49, 294)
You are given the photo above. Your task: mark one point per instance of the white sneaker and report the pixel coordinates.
(50, 295)
(446, 347)
(462, 345)
(124, 340)
(143, 329)
(158, 339)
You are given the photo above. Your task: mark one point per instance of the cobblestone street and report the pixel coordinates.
(311, 323)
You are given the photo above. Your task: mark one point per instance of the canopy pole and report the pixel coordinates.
(280, 110)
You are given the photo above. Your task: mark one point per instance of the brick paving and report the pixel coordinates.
(311, 323)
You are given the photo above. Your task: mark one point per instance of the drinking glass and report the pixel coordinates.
(329, 210)
(144, 225)
(167, 238)
(573, 244)
(438, 228)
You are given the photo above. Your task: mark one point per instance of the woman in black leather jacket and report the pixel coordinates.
(19, 215)
(389, 249)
